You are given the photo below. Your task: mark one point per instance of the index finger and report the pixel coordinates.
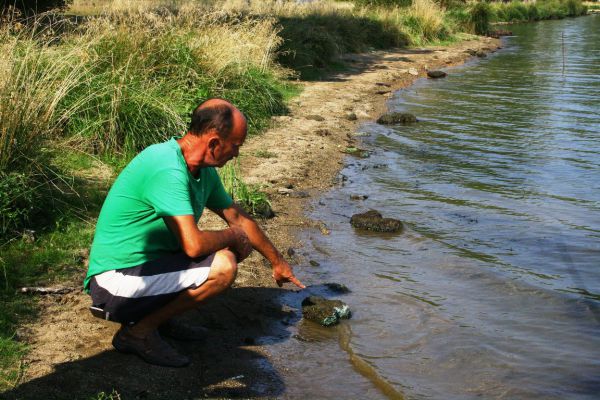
(296, 282)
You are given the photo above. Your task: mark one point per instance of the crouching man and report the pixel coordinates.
(149, 261)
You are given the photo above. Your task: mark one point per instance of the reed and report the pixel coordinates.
(516, 11)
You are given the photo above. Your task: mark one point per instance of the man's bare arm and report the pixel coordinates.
(197, 243)
(235, 216)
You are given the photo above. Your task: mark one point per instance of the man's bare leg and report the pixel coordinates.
(222, 274)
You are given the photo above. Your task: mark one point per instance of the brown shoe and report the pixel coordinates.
(151, 349)
(181, 331)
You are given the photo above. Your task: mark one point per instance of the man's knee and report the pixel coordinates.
(224, 268)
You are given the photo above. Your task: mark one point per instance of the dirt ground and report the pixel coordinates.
(70, 351)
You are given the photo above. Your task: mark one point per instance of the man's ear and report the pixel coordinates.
(213, 142)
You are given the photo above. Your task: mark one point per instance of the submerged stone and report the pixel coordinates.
(372, 220)
(356, 152)
(396, 118)
(323, 311)
(498, 33)
(337, 287)
(436, 74)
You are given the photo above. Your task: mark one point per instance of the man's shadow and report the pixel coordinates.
(226, 363)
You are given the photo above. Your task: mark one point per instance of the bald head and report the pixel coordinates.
(217, 115)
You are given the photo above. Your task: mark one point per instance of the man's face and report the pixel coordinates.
(229, 148)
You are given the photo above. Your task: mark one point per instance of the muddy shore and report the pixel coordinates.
(70, 352)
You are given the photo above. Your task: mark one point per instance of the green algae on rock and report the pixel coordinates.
(396, 118)
(323, 311)
(372, 220)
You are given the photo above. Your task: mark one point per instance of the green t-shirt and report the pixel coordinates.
(156, 183)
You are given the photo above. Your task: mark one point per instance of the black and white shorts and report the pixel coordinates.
(129, 294)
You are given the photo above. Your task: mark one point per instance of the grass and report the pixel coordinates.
(11, 350)
(114, 395)
(592, 6)
(517, 11)
(478, 16)
(250, 197)
(53, 252)
(265, 154)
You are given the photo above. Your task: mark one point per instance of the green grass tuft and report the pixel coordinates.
(250, 197)
(480, 16)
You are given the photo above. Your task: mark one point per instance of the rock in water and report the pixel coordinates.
(500, 32)
(337, 287)
(436, 74)
(396, 118)
(323, 311)
(372, 220)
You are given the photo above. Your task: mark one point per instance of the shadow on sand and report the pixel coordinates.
(225, 364)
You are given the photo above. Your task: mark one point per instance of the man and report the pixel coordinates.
(149, 261)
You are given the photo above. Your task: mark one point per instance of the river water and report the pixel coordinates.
(493, 290)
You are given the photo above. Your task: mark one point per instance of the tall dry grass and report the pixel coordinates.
(422, 22)
(121, 81)
(35, 77)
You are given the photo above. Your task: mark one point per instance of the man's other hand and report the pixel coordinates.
(282, 272)
(242, 247)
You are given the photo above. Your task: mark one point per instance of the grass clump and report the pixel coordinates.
(113, 395)
(35, 79)
(423, 22)
(265, 154)
(11, 350)
(480, 17)
(250, 197)
(517, 11)
(316, 40)
(153, 67)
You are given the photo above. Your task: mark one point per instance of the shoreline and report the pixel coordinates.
(311, 140)
(67, 344)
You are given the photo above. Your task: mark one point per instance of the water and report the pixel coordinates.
(493, 291)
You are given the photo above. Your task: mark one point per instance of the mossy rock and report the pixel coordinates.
(261, 210)
(436, 74)
(323, 311)
(357, 152)
(372, 220)
(498, 33)
(396, 118)
(351, 116)
(337, 287)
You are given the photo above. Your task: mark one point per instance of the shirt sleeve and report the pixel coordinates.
(167, 191)
(218, 198)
